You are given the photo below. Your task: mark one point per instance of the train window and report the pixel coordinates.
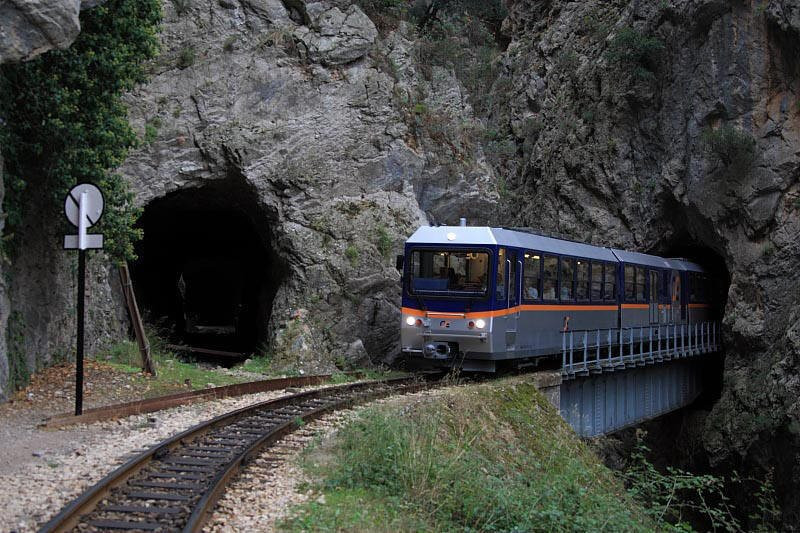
(630, 283)
(610, 283)
(655, 292)
(582, 280)
(450, 273)
(567, 278)
(597, 281)
(640, 284)
(512, 278)
(692, 287)
(530, 276)
(500, 287)
(550, 277)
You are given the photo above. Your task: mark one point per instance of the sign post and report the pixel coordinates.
(83, 207)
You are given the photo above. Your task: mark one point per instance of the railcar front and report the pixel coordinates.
(447, 317)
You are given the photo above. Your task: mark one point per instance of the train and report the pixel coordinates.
(480, 298)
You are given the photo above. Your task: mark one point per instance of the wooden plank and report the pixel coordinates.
(136, 319)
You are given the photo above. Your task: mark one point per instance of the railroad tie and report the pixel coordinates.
(142, 495)
(124, 524)
(140, 509)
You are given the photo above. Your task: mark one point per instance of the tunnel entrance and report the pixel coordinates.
(682, 245)
(206, 274)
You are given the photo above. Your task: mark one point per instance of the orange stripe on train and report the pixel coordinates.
(502, 312)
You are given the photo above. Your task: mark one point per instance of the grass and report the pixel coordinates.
(489, 458)
(176, 374)
(172, 373)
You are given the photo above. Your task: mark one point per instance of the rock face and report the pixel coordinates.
(669, 126)
(31, 27)
(39, 327)
(326, 125)
(335, 37)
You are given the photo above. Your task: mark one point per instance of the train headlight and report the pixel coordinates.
(480, 323)
(410, 320)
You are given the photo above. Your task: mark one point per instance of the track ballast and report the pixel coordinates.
(174, 485)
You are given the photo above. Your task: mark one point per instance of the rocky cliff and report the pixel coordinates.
(673, 126)
(318, 123)
(31, 27)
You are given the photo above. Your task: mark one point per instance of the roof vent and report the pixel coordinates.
(462, 222)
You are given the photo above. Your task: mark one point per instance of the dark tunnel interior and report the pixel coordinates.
(205, 274)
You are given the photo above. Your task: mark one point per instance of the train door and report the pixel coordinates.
(654, 296)
(513, 311)
(675, 314)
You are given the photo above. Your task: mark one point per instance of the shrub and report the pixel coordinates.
(634, 52)
(351, 253)
(461, 37)
(227, 46)
(734, 148)
(186, 57)
(151, 130)
(384, 243)
(182, 6)
(675, 496)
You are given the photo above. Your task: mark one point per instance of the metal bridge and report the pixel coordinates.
(615, 378)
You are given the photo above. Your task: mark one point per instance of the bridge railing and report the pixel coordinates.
(594, 351)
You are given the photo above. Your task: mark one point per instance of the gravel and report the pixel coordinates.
(64, 463)
(268, 488)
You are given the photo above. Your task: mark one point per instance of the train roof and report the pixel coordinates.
(484, 235)
(640, 258)
(679, 263)
(477, 235)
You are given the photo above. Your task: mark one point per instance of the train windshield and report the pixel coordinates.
(460, 273)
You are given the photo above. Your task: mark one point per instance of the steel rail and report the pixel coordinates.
(311, 405)
(149, 405)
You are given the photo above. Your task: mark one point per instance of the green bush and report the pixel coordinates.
(351, 253)
(676, 497)
(151, 130)
(634, 52)
(736, 149)
(63, 120)
(384, 242)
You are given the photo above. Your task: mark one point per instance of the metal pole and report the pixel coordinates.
(79, 351)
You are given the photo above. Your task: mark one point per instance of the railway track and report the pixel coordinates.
(174, 485)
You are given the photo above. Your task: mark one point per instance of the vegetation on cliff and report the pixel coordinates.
(62, 120)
